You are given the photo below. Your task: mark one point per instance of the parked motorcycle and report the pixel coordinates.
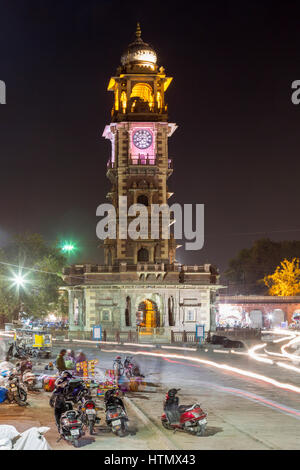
(131, 368)
(74, 390)
(24, 369)
(71, 426)
(188, 418)
(16, 391)
(116, 416)
(29, 379)
(88, 412)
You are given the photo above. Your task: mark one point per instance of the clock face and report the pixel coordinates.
(142, 139)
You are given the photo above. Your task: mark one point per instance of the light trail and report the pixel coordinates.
(255, 398)
(225, 367)
(253, 355)
(288, 366)
(280, 340)
(285, 353)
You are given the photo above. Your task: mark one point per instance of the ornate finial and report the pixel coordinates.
(138, 32)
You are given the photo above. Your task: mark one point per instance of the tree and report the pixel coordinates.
(40, 267)
(247, 270)
(285, 281)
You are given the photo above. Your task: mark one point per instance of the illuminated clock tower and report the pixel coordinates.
(139, 165)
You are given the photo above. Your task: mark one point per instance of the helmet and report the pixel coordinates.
(173, 392)
(118, 358)
(66, 374)
(109, 394)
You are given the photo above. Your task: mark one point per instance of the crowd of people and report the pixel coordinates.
(67, 360)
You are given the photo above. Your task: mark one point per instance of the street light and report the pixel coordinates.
(68, 248)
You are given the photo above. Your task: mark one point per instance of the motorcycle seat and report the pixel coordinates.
(183, 408)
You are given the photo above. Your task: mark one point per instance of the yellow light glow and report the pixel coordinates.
(116, 99)
(143, 91)
(167, 82)
(159, 100)
(123, 101)
(111, 84)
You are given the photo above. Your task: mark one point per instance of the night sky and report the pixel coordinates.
(237, 146)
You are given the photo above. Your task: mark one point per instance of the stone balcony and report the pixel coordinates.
(140, 272)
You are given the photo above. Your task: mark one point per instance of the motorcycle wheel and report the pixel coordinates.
(91, 428)
(21, 398)
(166, 425)
(51, 401)
(201, 430)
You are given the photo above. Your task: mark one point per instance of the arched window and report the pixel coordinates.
(124, 101)
(128, 312)
(159, 100)
(171, 311)
(143, 255)
(117, 100)
(143, 91)
(142, 199)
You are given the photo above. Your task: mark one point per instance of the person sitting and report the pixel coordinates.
(70, 359)
(81, 357)
(171, 406)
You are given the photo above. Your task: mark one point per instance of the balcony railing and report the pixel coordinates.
(140, 160)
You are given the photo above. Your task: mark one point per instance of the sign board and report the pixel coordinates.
(97, 332)
(200, 332)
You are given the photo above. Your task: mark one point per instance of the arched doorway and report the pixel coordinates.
(143, 255)
(142, 199)
(256, 319)
(277, 317)
(147, 316)
(128, 312)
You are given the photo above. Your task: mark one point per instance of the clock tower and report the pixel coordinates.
(139, 165)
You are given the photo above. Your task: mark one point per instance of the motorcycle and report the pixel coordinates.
(116, 416)
(188, 418)
(29, 379)
(74, 390)
(88, 412)
(16, 391)
(24, 369)
(71, 426)
(131, 368)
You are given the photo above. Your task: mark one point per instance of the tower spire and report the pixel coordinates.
(138, 32)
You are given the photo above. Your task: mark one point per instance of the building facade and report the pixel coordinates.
(140, 284)
(257, 311)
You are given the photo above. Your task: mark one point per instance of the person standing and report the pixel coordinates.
(81, 357)
(60, 361)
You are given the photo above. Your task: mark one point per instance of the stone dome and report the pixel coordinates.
(139, 52)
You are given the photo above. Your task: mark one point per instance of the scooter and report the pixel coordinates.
(188, 418)
(116, 416)
(88, 412)
(71, 426)
(131, 368)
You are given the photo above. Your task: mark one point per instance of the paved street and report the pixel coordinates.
(243, 413)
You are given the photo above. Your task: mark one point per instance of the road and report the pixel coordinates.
(243, 412)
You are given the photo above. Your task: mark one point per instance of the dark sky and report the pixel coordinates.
(237, 146)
